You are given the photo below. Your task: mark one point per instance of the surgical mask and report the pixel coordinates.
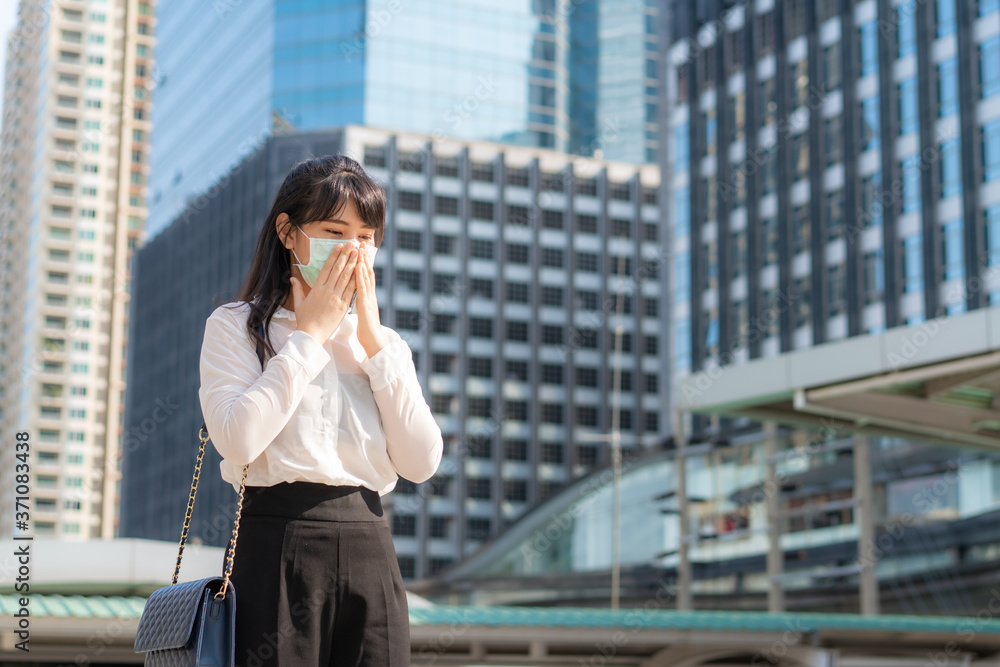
(319, 251)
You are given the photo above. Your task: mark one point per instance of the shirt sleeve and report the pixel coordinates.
(413, 437)
(245, 409)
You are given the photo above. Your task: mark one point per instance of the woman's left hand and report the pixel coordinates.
(369, 326)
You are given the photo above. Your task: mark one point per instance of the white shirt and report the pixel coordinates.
(319, 412)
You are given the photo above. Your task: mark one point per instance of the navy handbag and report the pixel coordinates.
(193, 624)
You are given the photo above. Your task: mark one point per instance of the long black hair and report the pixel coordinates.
(315, 189)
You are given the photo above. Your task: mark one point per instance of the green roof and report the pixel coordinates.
(128, 608)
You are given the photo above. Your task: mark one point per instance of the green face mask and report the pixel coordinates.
(319, 251)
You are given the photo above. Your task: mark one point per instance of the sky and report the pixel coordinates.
(8, 17)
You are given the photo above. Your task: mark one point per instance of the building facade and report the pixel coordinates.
(502, 268)
(512, 73)
(74, 140)
(834, 170)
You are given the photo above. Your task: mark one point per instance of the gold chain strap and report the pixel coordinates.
(231, 547)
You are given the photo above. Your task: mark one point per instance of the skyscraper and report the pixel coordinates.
(515, 73)
(835, 170)
(75, 130)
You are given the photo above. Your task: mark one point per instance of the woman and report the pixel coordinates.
(326, 428)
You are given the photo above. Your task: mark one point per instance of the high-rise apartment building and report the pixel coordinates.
(834, 170)
(73, 173)
(500, 267)
(560, 74)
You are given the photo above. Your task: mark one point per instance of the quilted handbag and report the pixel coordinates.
(193, 624)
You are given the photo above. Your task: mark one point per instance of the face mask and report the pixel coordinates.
(319, 251)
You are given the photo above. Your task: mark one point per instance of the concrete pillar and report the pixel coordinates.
(772, 505)
(865, 520)
(685, 578)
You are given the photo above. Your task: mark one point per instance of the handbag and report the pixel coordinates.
(193, 624)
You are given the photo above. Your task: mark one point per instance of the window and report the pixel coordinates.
(517, 330)
(411, 161)
(991, 151)
(443, 363)
(444, 283)
(445, 205)
(586, 261)
(480, 327)
(993, 235)
(552, 452)
(552, 413)
(517, 176)
(515, 450)
(552, 374)
(586, 224)
(517, 253)
(908, 113)
(482, 171)
(481, 287)
(515, 490)
(951, 183)
(410, 279)
(869, 48)
(989, 73)
(446, 166)
(481, 248)
(409, 240)
(906, 28)
(874, 277)
(552, 296)
(438, 527)
(682, 147)
(586, 186)
(552, 219)
(444, 323)
(516, 292)
(552, 257)
(913, 264)
(518, 215)
(404, 524)
(443, 404)
(910, 170)
(944, 16)
(831, 66)
(516, 370)
(586, 377)
(708, 122)
(477, 528)
(947, 73)
(952, 251)
(481, 367)
(479, 487)
(408, 320)
(516, 410)
(482, 210)
(444, 245)
(552, 335)
(411, 201)
(586, 300)
(870, 123)
(374, 156)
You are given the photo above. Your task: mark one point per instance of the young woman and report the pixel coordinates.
(326, 428)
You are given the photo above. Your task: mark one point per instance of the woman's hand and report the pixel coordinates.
(320, 312)
(370, 333)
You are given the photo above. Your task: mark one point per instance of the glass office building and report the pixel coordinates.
(232, 75)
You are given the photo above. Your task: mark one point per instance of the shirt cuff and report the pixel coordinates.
(308, 351)
(389, 363)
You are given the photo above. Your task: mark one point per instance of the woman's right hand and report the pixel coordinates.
(320, 312)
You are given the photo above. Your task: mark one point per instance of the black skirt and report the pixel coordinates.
(316, 579)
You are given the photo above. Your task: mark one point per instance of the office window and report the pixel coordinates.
(953, 256)
(552, 296)
(682, 147)
(910, 171)
(552, 452)
(411, 201)
(444, 323)
(411, 161)
(481, 367)
(374, 156)
(516, 370)
(552, 413)
(988, 6)
(516, 292)
(989, 71)
(444, 245)
(711, 132)
(480, 327)
(586, 300)
(408, 320)
(483, 171)
(552, 219)
(833, 140)
(446, 166)
(586, 415)
(913, 263)
(587, 455)
(518, 215)
(517, 176)
(482, 210)
(951, 171)
(515, 450)
(947, 87)
(586, 224)
(481, 447)
(586, 376)
(831, 66)
(404, 524)
(552, 374)
(409, 279)
(944, 16)
(874, 276)
(906, 28)
(409, 240)
(552, 257)
(869, 48)
(481, 287)
(477, 528)
(870, 123)
(516, 410)
(871, 206)
(517, 330)
(515, 490)
(442, 363)
(445, 205)
(444, 283)
(438, 526)
(909, 120)
(479, 488)
(991, 151)
(993, 235)
(585, 186)
(481, 248)
(552, 335)
(769, 239)
(517, 253)
(586, 261)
